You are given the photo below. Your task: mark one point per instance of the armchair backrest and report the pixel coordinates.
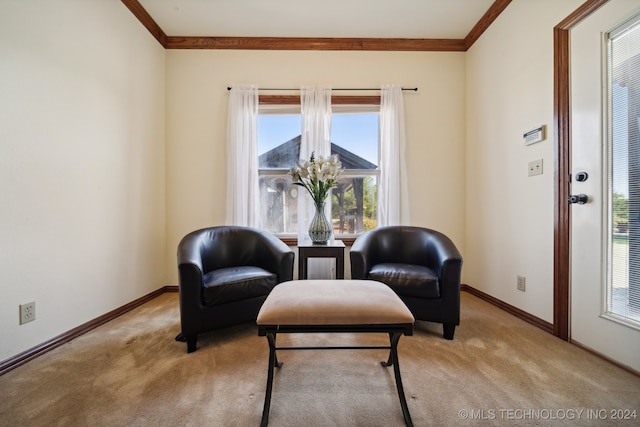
(231, 246)
(402, 244)
(228, 246)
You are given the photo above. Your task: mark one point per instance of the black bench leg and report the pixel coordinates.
(273, 362)
(393, 360)
(389, 361)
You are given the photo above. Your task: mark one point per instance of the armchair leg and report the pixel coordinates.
(190, 340)
(191, 343)
(449, 329)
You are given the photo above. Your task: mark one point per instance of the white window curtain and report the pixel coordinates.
(393, 206)
(243, 194)
(315, 105)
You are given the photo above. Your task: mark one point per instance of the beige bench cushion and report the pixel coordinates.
(333, 302)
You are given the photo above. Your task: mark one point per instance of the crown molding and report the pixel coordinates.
(487, 19)
(308, 43)
(145, 19)
(304, 43)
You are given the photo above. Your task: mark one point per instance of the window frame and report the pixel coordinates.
(346, 103)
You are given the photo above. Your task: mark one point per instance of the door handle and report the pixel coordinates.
(580, 199)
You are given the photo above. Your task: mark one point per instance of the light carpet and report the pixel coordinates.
(499, 370)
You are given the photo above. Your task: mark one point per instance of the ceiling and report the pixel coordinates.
(422, 19)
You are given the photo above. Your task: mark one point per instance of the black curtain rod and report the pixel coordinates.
(415, 89)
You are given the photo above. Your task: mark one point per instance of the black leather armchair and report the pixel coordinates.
(421, 265)
(225, 275)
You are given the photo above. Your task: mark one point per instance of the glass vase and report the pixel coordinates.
(320, 228)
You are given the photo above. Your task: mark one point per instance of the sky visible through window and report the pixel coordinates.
(356, 132)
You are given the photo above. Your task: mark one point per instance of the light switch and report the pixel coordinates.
(535, 167)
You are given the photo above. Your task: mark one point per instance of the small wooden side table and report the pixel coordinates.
(332, 249)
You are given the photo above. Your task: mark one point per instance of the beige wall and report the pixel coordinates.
(197, 113)
(82, 202)
(509, 220)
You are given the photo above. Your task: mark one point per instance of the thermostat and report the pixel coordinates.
(535, 135)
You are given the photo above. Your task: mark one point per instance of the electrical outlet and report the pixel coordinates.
(521, 283)
(535, 167)
(27, 312)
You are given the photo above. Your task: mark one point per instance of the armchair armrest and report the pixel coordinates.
(275, 256)
(189, 250)
(443, 257)
(362, 255)
(191, 280)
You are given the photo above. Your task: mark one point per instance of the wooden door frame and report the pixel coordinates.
(562, 161)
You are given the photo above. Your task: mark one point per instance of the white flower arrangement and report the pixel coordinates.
(317, 175)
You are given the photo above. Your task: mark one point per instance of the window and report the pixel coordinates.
(354, 138)
(623, 284)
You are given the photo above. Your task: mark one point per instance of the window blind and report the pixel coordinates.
(623, 284)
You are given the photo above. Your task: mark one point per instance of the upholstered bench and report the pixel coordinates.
(360, 306)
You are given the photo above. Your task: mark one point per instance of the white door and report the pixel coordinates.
(600, 248)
